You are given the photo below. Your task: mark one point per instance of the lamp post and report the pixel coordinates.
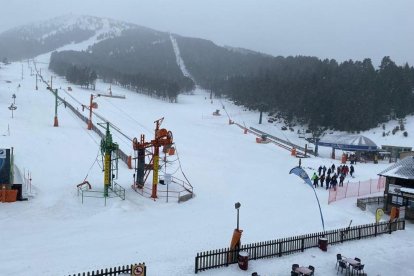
(237, 206)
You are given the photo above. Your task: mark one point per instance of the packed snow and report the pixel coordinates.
(53, 233)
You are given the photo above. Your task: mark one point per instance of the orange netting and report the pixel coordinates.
(354, 189)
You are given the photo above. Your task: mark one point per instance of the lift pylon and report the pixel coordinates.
(162, 138)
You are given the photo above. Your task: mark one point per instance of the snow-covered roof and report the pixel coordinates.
(404, 169)
(348, 142)
(407, 190)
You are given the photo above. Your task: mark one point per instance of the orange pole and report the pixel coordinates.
(129, 162)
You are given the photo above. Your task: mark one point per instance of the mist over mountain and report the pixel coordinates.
(31, 40)
(324, 94)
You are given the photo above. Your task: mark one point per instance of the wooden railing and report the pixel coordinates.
(278, 248)
(114, 271)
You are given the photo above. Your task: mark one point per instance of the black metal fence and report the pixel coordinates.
(278, 248)
(113, 271)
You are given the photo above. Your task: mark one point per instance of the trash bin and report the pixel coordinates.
(323, 244)
(243, 260)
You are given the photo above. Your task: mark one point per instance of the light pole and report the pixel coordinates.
(237, 206)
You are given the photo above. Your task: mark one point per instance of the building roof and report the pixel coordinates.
(348, 142)
(404, 169)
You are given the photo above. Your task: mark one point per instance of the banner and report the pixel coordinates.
(302, 174)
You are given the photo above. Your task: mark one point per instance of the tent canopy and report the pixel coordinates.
(348, 142)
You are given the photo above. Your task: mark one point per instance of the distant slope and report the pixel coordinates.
(31, 40)
(140, 59)
(210, 64)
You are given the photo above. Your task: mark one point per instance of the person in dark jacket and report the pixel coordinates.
(322, 179)
(333, 168)
(341, 180)
(319, 170)
(334, 182)
(323, 169)
(351, 170)
(327, 181)
(329, 171)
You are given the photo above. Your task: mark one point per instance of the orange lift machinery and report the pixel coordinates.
(150, 149)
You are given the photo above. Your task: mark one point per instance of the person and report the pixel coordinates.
(333, 168)
(323, 169)
(329, 171)
(351, 170)
(327, 181)
(315, 179)
(334, 182)
(341, 180)
(319, 170)
(322, 179)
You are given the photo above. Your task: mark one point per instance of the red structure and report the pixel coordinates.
(151, 149)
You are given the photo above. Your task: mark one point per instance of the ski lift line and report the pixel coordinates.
(84, 129)
(181, 169)
(129, 116)
(90, 168)
(70, 95)
(224, 109)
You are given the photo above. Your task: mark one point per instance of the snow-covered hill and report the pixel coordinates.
(40, 37)
(55, 234)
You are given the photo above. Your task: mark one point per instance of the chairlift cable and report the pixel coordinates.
(179, 162)
(96, 159)
(129, 116)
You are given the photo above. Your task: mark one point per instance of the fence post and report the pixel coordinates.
(370, 184)
(346, 189)
(302, 245)
(376, 224)
(389, 226)
(280, 248)
(196, 264)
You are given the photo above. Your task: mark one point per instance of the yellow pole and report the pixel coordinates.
(155, 176)
(107, 173)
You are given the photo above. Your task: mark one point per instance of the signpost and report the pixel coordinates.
(12, 107)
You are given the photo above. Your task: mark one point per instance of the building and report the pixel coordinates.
(397, 152)
(399, 186)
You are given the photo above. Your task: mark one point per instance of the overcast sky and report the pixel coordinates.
(340, 29)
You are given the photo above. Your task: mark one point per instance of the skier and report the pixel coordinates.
(334, 182)
(323, 169)
(341, 180)
(319, 170)
(351, 170)
(333, 168)
(322, 179)
(328, 180)
(315, 179)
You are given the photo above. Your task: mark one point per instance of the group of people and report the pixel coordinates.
(324, 175)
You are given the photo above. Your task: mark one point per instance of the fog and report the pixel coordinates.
(352, 29)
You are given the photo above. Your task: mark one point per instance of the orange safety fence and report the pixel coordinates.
(354, 189)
